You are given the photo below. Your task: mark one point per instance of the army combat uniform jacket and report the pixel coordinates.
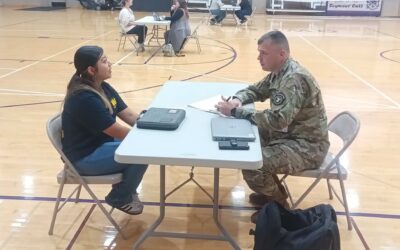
(296, 116)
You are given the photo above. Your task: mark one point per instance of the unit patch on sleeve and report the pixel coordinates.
(278, 98)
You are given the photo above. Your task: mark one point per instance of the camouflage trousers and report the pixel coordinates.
(277, 159)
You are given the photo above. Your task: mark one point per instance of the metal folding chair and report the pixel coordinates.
(346, 126)
(193, 36)
(69, 175)
(131, 37)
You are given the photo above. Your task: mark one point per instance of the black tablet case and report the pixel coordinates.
(161, 118)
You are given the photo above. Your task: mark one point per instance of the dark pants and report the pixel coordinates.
(139, 30)
(241, 13)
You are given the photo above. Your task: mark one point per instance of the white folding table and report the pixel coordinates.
(149, 20)
(228, 8)
(190, 145)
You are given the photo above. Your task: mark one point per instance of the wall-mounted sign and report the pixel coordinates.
(354, 8)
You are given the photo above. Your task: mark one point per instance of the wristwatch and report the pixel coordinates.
(233, 112)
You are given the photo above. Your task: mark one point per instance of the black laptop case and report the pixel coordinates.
(161, 118)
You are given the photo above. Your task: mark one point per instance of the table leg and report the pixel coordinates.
(152, 233)
(149, 232)
(216, 210)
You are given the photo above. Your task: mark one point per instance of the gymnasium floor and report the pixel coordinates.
(357, 64)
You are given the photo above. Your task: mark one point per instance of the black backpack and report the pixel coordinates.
(280, 229)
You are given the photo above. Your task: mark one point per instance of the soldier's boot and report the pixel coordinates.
(280, 195)
(258, 199)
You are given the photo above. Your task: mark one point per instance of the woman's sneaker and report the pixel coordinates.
(139, 47)
(134, 207)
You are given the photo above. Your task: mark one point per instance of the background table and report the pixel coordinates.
(231, 9)
(149, 20)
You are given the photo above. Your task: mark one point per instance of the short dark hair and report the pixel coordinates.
(276, 37)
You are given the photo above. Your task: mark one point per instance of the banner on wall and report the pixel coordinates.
(354, 8)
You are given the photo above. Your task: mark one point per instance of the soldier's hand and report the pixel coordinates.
(225, 107)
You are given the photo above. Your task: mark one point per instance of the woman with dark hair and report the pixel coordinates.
(126, 21)
(245, 10)
(90, 131)
(180, 28)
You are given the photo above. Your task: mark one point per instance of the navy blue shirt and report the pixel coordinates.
(245, 5)
(84, 118)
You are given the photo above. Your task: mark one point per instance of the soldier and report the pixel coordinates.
(293, 131)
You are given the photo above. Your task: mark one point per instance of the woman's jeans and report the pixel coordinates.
(101, 162)
(219, 15)
(242, 13)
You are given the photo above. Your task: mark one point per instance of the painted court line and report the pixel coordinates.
(365, 82)
(170, 204)
(27, 92)
(54, 55)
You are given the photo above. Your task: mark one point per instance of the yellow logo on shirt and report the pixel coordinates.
(114, 103)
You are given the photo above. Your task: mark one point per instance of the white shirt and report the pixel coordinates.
(126, 19)
(216, 4)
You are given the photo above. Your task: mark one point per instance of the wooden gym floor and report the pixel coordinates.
(357, 64)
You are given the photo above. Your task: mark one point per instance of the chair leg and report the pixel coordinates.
(104, 210)
(123, 45)
(346, 207)
(56, 206)
(306, 192)
(329, 189)
(345, 204)
(119, 44)
(288, 192)
(78, 193)
(198, 45)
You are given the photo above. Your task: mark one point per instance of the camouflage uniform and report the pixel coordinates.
(293, 132)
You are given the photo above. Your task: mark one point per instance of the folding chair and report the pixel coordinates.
(346, 126)
(131, 37)
(194, 36)
(69, 175)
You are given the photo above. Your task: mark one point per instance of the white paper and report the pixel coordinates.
(208, 104)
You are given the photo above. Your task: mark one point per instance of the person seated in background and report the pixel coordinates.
(126, 20)
(179, 30)
(215, 9)
(245, 10)
(91, 132)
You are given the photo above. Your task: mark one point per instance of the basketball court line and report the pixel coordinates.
(54, 55)
(193, 205)
(365, 82)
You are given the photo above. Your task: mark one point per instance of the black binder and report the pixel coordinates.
(161, 118)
